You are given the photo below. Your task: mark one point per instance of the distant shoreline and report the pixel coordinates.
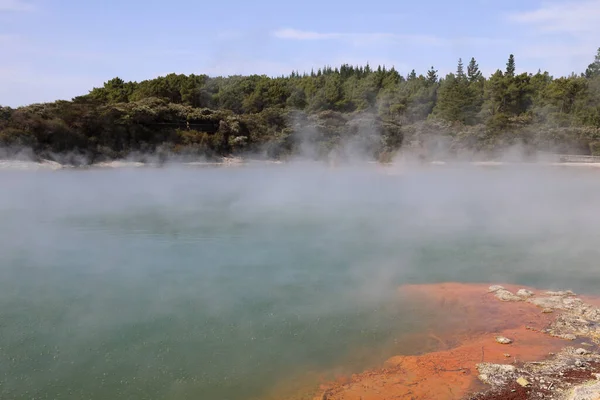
(238, 162)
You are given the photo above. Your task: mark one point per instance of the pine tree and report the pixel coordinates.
(460, 72)
(476, 91)
(412, 75)
(510, 66)
(593, 70)
(473, 72)
(495, 93)
(432, 76)
(450, 101)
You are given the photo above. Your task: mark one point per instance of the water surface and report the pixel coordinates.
(222, 283)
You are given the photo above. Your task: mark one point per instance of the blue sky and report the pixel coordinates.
(57, 49)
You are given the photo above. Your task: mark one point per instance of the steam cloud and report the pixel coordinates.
(223, 280)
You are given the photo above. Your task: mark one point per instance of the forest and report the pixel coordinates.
(346, 111)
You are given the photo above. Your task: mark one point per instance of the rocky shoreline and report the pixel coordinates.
(548, 348)
(572, 374)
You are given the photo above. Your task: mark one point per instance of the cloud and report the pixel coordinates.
(6, 39)
(15, 5)
(8, 44)
(229, 34)
(562, 32)
(558, 50)
(383, 37)
(356, 38)
(570, 17)
(295, 34)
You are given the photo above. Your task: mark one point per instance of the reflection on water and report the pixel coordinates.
(177, 284)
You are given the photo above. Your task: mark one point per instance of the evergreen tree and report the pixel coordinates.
(510, 66)
(473, 72)
(432, 76)
(460, 72)
(456, 102)
(412, 76)
(496, 94)
(593, 70)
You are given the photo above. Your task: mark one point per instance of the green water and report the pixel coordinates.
(185, 283)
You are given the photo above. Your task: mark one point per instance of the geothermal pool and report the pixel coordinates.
(262, 282)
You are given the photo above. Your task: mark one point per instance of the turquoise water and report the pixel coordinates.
(222, 283)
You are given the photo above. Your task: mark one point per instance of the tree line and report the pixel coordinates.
(324, 113)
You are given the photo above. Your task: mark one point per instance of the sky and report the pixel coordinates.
(59, 49)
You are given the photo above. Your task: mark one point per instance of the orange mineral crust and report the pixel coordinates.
(467, 320)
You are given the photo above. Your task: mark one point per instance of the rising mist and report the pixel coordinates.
(182, 281)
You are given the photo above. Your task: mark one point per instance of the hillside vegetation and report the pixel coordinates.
(346, 111)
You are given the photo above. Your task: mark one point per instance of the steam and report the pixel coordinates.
(222, 281)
